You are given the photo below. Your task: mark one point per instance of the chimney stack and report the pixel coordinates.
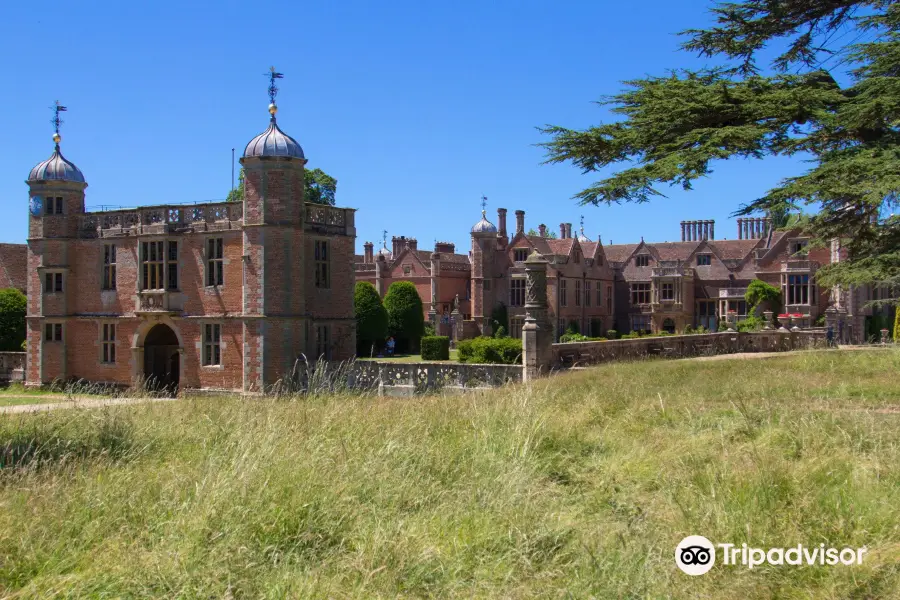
(520, 222)
(398, 243)
(412, 244)
(501, 221)
(368, 253)
(712, 230)
(740, 229)
(562, 231)
(568, 230)
(542, 230)
(445, 247)
(683, 237)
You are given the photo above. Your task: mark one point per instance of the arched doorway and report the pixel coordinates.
(669, 326)
(162, 361)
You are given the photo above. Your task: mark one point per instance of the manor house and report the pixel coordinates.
(224, 295)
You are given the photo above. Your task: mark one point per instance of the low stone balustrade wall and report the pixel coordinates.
(12, 366)
(681, 346)
(407, 379)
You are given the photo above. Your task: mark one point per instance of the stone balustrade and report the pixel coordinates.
(407, 379)
(330, 219)
(162, 219)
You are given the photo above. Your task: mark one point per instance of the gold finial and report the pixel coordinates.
(56, 138)
(273, 109)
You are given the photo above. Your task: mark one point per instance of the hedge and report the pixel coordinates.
(485, 350)
(436, 347)
(371, 319)
(406, 321)
(12, 320)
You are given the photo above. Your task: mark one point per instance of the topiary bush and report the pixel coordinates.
(752, 323)
(406, 321)
(371, 318)
(612, 334)
(485, 350)
(12, 320)
(761, 293)
(436, 347)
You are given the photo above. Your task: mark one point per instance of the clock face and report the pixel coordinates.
(36, 205)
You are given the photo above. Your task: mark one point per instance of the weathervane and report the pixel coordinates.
(483, 203)
(273, 89)
(384, 238)
(582, 224)
(57, 108)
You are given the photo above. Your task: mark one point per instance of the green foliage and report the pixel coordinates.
(371, 318)
(319, 188)
(631, 335)
(759, 292)
(486, 350)
(612, 334)
(577, 337)
(501, 332)
(672, 129)
(429, 329)
(751, 323)
(573, 327)
(897, 325)
(435, 347)
(549, 235)
(12, 320)
(820, 321)
(406, 322)
(500, 317)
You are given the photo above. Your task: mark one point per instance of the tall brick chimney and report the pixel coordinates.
(398, 243)
(542, 230)
(568, 230)
(562, 231)
(520, 222)
(412, 244)
(445, 247)
(501, 222)
(369, 253)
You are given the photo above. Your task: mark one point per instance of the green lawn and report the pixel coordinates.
(454, 355)
(16, 394)
(577, 486)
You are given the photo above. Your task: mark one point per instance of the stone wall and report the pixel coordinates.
(407, 379)
(676, 346)
(12, 366)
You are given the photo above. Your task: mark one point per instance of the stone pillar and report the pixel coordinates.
(537, 332)
(520, 222)
(769, 318)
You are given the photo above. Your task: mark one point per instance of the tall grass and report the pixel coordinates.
(575, 486)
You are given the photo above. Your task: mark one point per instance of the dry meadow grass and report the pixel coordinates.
(576, 486)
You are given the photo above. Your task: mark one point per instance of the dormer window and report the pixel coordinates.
(642, 260)
(704, 260)
(520, 254)
(799, 247)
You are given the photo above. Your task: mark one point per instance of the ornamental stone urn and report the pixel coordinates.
(768, 317)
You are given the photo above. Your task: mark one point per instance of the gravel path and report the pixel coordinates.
(78, 402)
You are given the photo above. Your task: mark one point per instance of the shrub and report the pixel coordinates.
(573, 327)
(406, 322)
(573, 337)
(500, 333)
(631, 336)
(371, 318)
(751, 323)
(436, 347)
(897, 324)
(505, 351)
(612, 334)
(12, 320)
(429, 329)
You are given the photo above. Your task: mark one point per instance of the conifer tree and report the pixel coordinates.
(371, 318)
(673, 128)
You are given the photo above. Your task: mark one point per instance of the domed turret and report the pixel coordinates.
(484, 226)
(56, 168)
(273, 142)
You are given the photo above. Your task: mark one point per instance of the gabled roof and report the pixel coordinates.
(561, 247)
(732, 249)
(673, 250)
(619, 253)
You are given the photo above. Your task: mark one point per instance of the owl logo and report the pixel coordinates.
(36, 205)
(695, 555)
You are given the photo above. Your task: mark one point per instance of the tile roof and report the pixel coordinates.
(619, 252)
(589, 248)
(561, 247)
(674, 250)
(733, 249)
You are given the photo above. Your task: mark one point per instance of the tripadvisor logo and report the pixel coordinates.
(696, 555)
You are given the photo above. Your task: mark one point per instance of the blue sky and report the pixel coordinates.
(416, 108)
